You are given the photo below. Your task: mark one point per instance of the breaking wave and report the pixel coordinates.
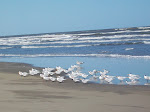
(75, 55)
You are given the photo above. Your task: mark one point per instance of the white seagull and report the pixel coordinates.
(132, 82)
(79, 63)
(52, 79)
(24, 74)
(121, 78)
(60, 79)
(147, 77)
(85, 80)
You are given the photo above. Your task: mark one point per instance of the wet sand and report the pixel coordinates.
(32, 94)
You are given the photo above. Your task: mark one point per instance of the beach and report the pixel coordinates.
(32, 94)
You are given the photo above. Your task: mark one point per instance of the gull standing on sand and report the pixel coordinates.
(109, 79)
(93, 72)
(60, 78)
(147, 78)
(121, 78)
(24, 74)
(85, 80)
(132, 82)
(76, 80)
(46, 78)
(33, 72)
(52, 79)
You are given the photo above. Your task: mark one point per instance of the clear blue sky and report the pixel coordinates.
(45, 16)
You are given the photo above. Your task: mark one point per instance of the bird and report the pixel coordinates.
(132, 75)
(109, 79)
(24, 74)
(132, 82)
(33, 72)
(102, 77)
(60, 79)
(52, 79)
(41, 75)
(84, 75)
(147, 78)
(76, 80)
(93, 72)
(121, 78)
(46, 78)
(104, 72)
(79, 63)
(85, 80)
(20, 73)
(133, 78)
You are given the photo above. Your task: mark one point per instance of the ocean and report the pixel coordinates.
(121, 51)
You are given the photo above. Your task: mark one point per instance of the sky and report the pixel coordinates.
(46, 16)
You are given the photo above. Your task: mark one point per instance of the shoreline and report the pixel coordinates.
(13, 68)
(29, 94)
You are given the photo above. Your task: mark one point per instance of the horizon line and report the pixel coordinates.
(68, 31)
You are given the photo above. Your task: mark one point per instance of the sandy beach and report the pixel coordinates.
(32, 94)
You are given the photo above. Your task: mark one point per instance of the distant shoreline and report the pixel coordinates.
(78, 31)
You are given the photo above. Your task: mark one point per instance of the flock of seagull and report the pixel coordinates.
(74, 73)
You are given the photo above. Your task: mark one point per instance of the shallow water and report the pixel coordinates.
(116, 66)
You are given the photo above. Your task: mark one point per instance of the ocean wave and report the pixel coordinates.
(73, 42)
(27, 47)
(100, 41)
(127, 49)
(82, 45)
(5, 47)
(146, 42)
(75, 55)
(143, 27)
(70, 39)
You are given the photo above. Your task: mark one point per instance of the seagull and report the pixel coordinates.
(85, 80)
(33, 72)
(24, 74)
(76, 80)
(20, 73)
(79, 63)
(133, 78)
(132, 75)
(102, 77)
(84, 75)
(104, 72)
(109, 79)
(121, 78)
(93, 72)
(52, 79)
(41, 75)
(147, 77)
(132, 82)
(46, 78)
(60, 79)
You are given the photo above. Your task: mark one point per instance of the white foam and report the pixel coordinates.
(76, 55)
(5, 47)
(129, 49)
(143, 27)
(51, 39)
(146, 42)
(29, 47)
